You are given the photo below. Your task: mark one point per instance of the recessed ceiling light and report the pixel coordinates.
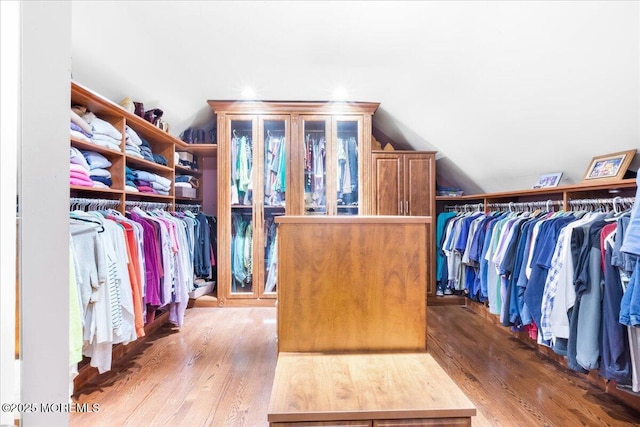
(248, 93)
(340, 94)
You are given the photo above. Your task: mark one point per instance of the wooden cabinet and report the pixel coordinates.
(278, 158)
(403, 183)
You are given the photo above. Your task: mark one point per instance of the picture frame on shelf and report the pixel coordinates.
(609, 166)
(548, 180)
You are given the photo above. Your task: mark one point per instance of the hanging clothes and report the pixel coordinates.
(562, 276)
(274, 170)
(124, 268)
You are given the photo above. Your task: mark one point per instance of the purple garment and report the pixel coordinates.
(151, 261)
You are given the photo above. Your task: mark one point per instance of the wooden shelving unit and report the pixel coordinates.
(161, 143)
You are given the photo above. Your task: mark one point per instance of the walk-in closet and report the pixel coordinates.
(288, 214)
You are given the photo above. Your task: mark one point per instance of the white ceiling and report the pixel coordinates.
(504, 91)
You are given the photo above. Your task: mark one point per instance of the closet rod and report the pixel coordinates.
(616, 202)
(512, 206)
(146, 205)
(77, 203)
(187, 207)
(468, 207)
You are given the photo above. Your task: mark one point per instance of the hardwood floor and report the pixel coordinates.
(512, 384)
(218, 371)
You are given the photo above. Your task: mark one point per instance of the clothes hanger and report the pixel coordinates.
(101, 226)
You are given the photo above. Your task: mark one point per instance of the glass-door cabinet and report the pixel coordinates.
(256, 155)
(282, 158)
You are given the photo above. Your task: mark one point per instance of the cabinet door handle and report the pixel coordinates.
(400, 203)
(406, 207)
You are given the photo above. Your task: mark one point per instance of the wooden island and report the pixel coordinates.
(352, 327)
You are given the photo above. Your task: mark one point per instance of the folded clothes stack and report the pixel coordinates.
(86, 126)
(79, 169)
(89, 169)
(133, 143)
(148, 182)
(98, 171)
(186, 181)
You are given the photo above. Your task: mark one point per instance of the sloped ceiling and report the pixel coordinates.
(503, 91)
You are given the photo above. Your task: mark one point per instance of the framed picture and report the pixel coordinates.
(548, 180)
(609, 166)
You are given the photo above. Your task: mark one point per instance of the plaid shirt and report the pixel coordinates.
(551, 288)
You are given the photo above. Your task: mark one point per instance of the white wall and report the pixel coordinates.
(504, 91)
(44, 201)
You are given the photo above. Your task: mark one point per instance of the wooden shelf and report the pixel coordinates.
(573, 188)
(151, 197)
(84, 145)
(96, 191)
(205, 149)
(186, 171)
(147, 165)
(188, 199)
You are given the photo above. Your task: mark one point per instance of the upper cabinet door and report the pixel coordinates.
(346, 166)
(388, 184)
(418, 169)
(315, 132)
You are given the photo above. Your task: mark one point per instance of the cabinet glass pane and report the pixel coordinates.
(241, 206)
(347, 167)
(241, 163)
(315, 175)
(275, 160)
(241, 251)
(271, 251)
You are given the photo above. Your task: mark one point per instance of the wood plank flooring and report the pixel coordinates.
(218, 371)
